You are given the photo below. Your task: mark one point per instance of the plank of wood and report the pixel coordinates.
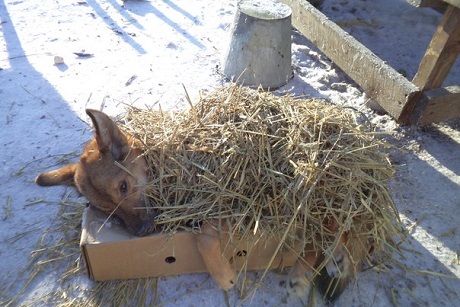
(453, 2)
(441, 53)
(381, 82)
(435, 4)
(443, 104)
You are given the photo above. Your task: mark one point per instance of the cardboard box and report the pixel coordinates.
(110, 252)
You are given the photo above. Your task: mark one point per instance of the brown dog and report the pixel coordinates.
(111, 174)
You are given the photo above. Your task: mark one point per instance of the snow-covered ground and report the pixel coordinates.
(141, 53)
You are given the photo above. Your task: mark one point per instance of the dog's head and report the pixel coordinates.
(111, 174)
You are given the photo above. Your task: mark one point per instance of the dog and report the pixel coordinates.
(111, 174)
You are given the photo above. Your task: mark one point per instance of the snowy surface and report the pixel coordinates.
(142, 53)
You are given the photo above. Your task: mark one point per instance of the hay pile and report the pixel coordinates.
(270, 164)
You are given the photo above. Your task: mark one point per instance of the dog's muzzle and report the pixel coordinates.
(146, 226)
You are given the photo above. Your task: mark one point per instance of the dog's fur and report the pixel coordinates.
(334, 276)
(111, 174)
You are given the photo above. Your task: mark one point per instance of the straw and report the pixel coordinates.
(275, 165)
(269, 164)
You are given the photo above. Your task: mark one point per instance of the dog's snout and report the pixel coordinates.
(145, 228)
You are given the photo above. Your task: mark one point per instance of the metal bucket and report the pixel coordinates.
(259, 52)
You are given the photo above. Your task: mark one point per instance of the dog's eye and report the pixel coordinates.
(123, 187)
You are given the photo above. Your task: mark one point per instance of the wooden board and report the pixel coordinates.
(452, 2)
(436, 4)
(441, 53)
(442, 104)
(381, 82)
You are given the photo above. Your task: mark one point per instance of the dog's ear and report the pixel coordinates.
(63, 176)
(108, 136)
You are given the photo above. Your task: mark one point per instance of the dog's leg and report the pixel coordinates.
(217, 265)
(331, 280)
(301, 274)
(336, 274)
(348, 256)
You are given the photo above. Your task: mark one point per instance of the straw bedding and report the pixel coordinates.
(275, 165)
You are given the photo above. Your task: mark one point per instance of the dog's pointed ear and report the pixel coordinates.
(62, 176)
(108, 136)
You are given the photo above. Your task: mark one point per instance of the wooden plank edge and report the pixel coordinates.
(452, 2)
(441, 53)
(381, 82)
(441, 104)
(437, 5)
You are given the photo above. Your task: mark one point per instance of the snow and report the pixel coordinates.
(161, 46)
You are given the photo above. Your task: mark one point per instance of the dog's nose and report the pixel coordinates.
(145, 228)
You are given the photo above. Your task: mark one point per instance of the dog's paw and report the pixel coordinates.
(298, 280)
(297, 286)
(339, 266)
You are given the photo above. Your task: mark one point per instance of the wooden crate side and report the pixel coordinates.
(380, 81)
